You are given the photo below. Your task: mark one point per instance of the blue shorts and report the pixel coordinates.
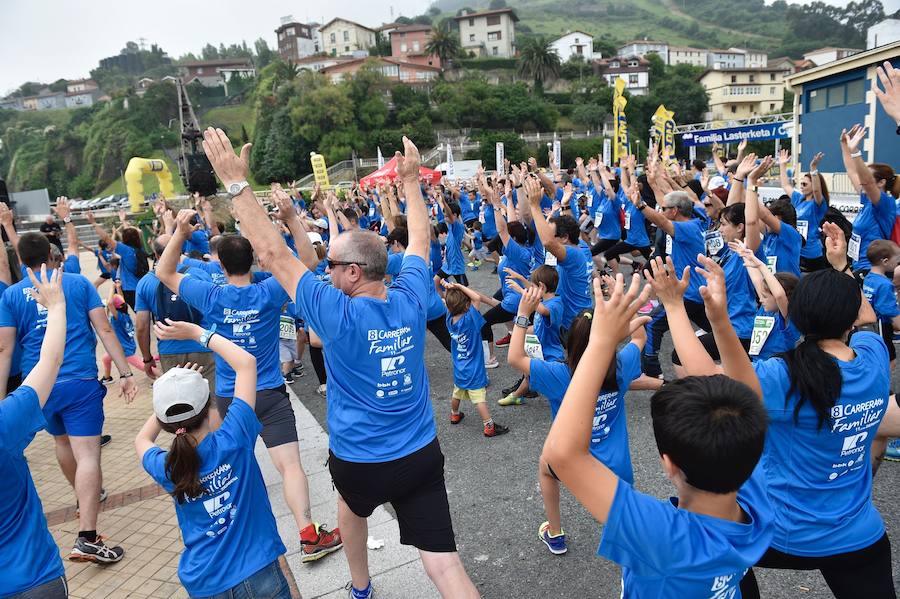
(75, 408)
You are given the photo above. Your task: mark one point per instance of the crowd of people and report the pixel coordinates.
(771, 424)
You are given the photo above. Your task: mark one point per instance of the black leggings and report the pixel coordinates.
(461, 279)
(865, 572)
(129, 297)
(625, 248)
(318, 361)
(603, 245)
(438, 328)
(496, 315)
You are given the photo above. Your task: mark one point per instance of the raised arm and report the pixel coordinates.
(815, 182)
(746, 166)
(654, 216)
(291, 220)
(48, 293)
(784, 158)
(517, 357)
(6, 220)
(753, 228)
(102, 233)
(167, 267)
(417, 222)
(848, 158)
(550, 242)
(850, 142)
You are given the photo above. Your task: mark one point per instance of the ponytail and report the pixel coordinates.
(884, 172)
(182, 460)
(815, 377)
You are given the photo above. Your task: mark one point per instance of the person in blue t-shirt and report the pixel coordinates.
(878, 287)
(231, 542)
(605, 208)
(74, 412)
(636, 238)
(123, 326)
(710, 432)
(609, 435)
(878, 188)
(810, 205)
(30, 557)
(132, 258)
(213, 268)
(454, 263)
(478, 253)
(107, 272)
(382, 437)
(249, 314)
(684, 240)
(470, 380)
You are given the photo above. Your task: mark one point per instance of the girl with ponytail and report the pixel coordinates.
(223, 508)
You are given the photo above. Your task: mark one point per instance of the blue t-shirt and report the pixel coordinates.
(783, 337)
(820, 479)
(477, 242)
(436, 306)
(784, 248)
(436, 257)
(379, 407)
(670, 553)
(635, 228)
(19, 310)
(873, 222)
(249, 316)
(517, 258)
(127, 266)
(124, 329)
(145, 301)
(467, 351)
(687, 242)
(70, 265)
(574, 286)
(213, 269)
(546, 329)
(455, 265)
(229, 532)
(466, 206)
(809, 215)
(880, 292)
(486, 216)
(741, 293)
(29, 554)
(198, 241)
(609, 434)
(106, 256)
(609, 227)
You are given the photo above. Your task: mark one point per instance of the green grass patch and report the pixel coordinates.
(231, 118)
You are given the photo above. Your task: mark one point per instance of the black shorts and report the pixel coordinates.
(273, 408)
(13, 382)
(105, 275)
(413, 485)
(495, 244)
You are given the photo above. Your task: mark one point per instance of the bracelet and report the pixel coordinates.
(736, 179)
(149, 361)
(126, 375)
(641, 206)
(855, 154)
(518, 186)
(847, 267)
(815, 172)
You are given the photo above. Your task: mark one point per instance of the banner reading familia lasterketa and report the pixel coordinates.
(760, 132)
(620, 146)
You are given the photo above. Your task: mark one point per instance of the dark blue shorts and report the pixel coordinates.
(75, 408)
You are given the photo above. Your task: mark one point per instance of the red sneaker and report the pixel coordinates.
(329, 541)
(456, 418)
(504, 342)
(494, 430)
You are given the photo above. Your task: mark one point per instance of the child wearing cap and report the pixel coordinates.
(117, 311)
(221, 501)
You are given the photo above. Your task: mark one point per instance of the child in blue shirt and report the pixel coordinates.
(220, 498)
(478, 254)
(878, 287)
(123, 326)
(710, 432)
(609, 435)
(464, 322)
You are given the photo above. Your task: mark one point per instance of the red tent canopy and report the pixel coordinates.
(389, 172)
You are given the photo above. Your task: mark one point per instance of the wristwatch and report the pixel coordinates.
(641, 206)
(206, 335)
(521, 321)
(67, 220)
(236, 188)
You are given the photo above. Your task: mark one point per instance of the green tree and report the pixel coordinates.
(264, 54)
(538, 61)
(514, 148)
(497, 4)
(60, 85)
(444, 44)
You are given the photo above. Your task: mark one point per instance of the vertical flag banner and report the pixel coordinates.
(557, 153)
(620, 148)
(451, 170)
(607, 151)
(499, 155)
(663, 131)
(320, 171)
(380, 158)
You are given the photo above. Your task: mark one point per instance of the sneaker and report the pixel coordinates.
(288, 377)
(491, 363)
(511, 400)
(105, 440)
(477, 263)
(96, 551)
(329, 541)
(556, 544)
(456, 418)
(646, 308)
(507, 390)
(530, 394)
(367, 593)
(504, 342)
(494, 430)
(321, 390)
(892, 453)
(493, 272)
(106, 380)
(298, 371)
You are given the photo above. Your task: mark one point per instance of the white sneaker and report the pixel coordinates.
(321, 390)
(491, 363)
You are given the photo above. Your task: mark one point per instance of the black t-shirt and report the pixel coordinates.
(51, 229)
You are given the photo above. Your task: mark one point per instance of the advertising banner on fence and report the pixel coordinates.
(499, 156)
(760, 132)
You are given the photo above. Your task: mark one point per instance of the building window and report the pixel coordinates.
(771, 76)
(332, 38)
(415, 46)
(856, 92)
(632, 80)
(734, 78)
(614, 64)
(495, 51)
(771, 107)
(493, 36)
(471, 37)
(290, 31)
(403, 47)
(836, 95)
(772, 91)
(752, 78)
(493, 20)
(576, 40)
(346, 48)
(199, 70)
(817, 100)
(346, 36)
(632, 63)
(733, 109)
(471, 22)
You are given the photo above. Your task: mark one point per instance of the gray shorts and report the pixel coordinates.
(287, 350)
(273, 408)
(55, 589)
(205, 359)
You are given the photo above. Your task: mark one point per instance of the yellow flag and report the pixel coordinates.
(320, 171)
(663, 131)
(620, 145)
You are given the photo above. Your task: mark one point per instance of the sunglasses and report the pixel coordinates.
(332, 263)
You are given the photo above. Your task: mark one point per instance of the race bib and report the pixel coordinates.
(549, 259)
(714, 242)
(598, 218)
(627, 220)
(481, 215)
(762, 326)
(287, 328)
(853, 246)
(668, 245)
(533, 347)
(803, 227)
(772, 262)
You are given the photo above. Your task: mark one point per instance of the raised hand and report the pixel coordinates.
(176, 330)
(531, 297)
(761, 169)
(285, 205)
(714, 297)
(835, 245)
(229, 167)
(183, 222)
(614, 318)
(48, 290)
(784, 157)
(814, 163)
(746, 166)
(408, 162)
(62, 207)
(890, 97)
(854, 137)
(664, 280)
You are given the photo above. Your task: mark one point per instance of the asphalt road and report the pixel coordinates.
(496, 503)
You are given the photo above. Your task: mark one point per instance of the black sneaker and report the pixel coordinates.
(289, 377)
(530, 394)
(507, 390)
(495, 430)
(96, 551)
(298, 371)
(106, 380)
(105, 440)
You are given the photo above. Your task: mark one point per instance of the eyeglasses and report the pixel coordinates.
(707, 204)
(332, 263)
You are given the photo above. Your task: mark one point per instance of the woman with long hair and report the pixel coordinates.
(811, 204)
(133, 263)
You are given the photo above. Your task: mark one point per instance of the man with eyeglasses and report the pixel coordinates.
(382, 436)
(684, 241)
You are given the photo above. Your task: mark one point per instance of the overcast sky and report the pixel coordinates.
(44, 40)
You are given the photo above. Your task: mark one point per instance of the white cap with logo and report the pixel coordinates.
(180, 387)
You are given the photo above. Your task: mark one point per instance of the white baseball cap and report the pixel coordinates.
(716, 182)
(180, 387)
(314, 237)
(321, 223)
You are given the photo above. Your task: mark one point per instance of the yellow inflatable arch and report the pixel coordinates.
(134, 176)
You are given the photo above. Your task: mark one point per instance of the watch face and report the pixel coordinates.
(234, 188)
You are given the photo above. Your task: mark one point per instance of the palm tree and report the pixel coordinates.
(444, 44)
(538, 60)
